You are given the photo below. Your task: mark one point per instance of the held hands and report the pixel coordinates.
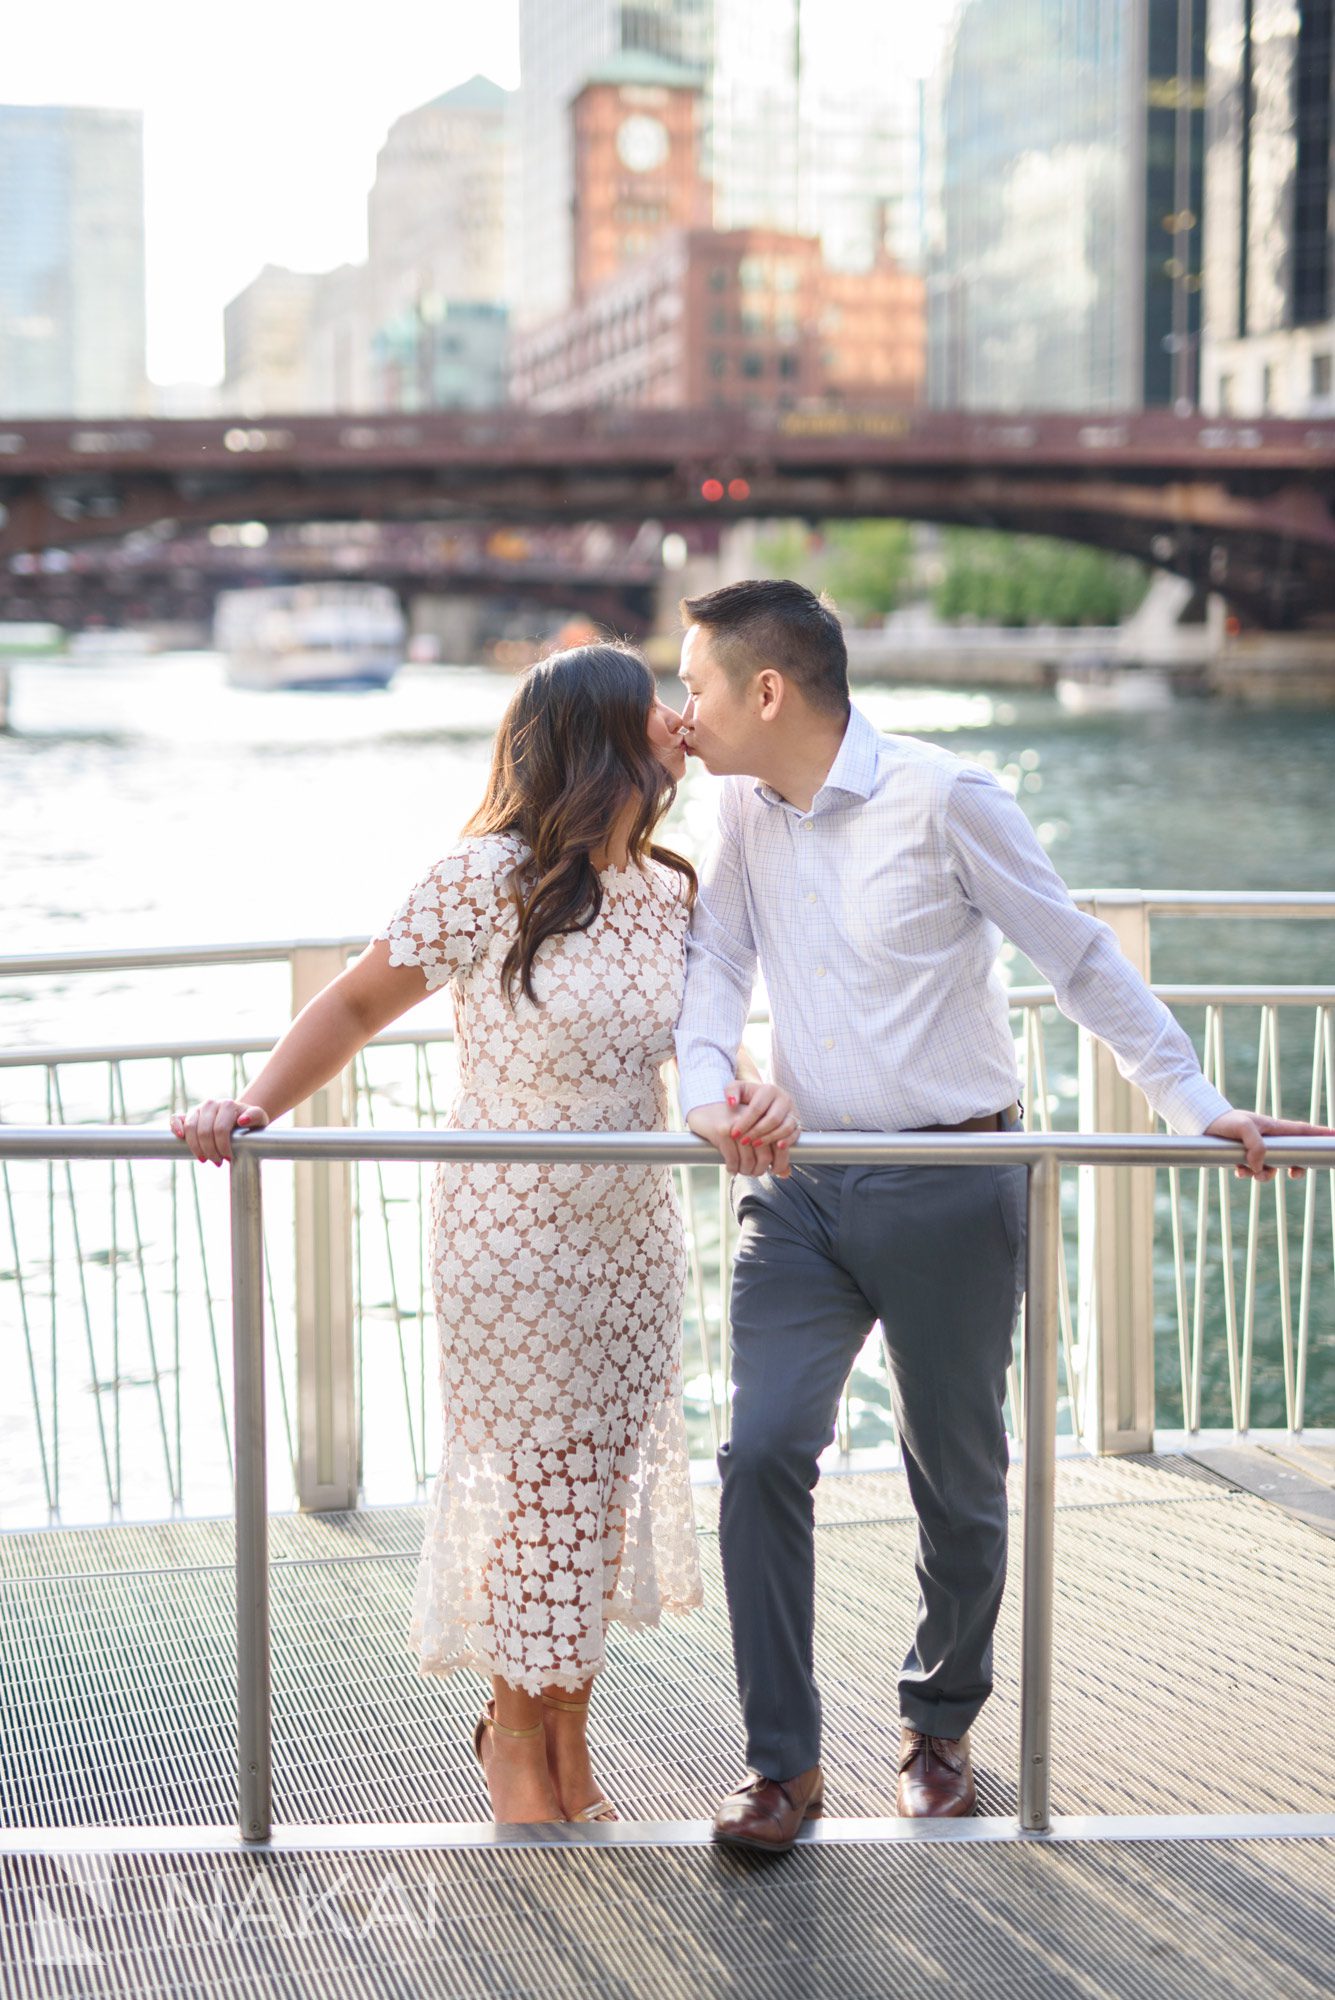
(207, 1128)
(753, 1130)
(1251, 1129)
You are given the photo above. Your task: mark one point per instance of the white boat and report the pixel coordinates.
(1107, 688)
(310, 635)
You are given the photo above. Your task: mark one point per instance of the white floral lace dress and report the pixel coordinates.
(563, 1499)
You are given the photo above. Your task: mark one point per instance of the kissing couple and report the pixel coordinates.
(870, 878)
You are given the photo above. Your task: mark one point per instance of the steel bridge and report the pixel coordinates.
(1244, 508)
(610, 573)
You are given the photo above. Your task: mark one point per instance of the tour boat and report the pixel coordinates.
(1109, 688)
(310, 636)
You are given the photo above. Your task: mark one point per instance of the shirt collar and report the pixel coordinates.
(853, 772)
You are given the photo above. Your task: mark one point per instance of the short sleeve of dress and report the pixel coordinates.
(446, 918)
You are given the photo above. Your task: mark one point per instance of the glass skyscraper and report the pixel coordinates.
(72, 340)
(1065, 210)
(1269, 337)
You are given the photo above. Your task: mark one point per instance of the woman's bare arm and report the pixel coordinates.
(323, 1039)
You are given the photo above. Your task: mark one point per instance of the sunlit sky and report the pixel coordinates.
(262, 120)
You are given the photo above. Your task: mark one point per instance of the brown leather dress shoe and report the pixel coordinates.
(935, 1776)
(767, 1812)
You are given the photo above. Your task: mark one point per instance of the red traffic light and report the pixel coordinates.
(712, 489)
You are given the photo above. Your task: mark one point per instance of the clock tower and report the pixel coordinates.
(635, 131)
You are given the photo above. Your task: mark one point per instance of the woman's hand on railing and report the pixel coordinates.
(207, 1128)
(1251, 1129)
(765, 1127)
(754, 1130)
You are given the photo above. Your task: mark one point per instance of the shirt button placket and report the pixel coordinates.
(807, 825)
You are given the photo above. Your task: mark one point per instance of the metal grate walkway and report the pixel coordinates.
(1194, 1674)
(1197, 1922)
(1193, 1643)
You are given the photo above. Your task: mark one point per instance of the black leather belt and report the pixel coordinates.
(991, 1121)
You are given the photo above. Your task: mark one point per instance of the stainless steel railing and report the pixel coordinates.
(1218, 1290)
(118, 1287)
(1042, 1154)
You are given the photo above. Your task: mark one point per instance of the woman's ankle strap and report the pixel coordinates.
(574, 1707)
(503, 1729)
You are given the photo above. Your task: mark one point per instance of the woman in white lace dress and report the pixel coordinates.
(563, 1500)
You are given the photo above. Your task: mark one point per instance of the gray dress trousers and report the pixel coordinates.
(936, 1254)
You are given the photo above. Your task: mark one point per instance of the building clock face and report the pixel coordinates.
(642, 143)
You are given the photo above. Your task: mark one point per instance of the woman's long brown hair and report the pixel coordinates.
(570, 755)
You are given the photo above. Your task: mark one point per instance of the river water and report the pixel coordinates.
(146, 802)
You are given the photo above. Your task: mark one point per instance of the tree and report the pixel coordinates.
(864, 565)
(868, 565)
(1033, 580)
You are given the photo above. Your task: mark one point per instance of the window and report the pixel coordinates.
(718, 279)
(751, 274)
(1321, 374)
(718, 362)
(753, 364)
(788, 364)
(718, 320)
(1226, 395)
(1267, 385)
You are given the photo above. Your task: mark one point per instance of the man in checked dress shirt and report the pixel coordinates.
(872, 879)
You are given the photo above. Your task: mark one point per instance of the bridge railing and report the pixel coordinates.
(1187, 1305)
(1042, 1154)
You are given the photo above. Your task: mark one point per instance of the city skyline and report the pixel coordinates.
(227, 188)
(269, 161)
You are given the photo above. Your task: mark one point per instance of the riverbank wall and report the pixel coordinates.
(1274, 670)
(1259, 670)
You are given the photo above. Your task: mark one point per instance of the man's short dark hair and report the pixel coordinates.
(774, 623)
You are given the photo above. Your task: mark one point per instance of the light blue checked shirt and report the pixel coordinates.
(876, 919)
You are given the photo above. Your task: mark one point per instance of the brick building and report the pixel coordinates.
(729, 318)
(636, 149)
(671, 313)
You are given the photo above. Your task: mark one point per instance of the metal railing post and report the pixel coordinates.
(255, 1774)
(1116, 1228)
(1043, 1248)
(326, 1469)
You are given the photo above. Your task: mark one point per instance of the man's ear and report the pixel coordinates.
(771, 693)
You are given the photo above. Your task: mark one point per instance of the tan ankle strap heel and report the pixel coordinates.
(600, 1808)
(487, 1720)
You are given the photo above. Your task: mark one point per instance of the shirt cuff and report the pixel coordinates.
(703, 1083)
(1189, 1106)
